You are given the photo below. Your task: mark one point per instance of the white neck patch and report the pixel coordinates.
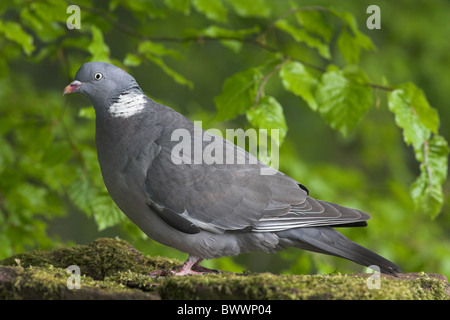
(128, 105)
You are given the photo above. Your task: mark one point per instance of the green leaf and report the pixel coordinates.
(87, 113)
(169, 71)
(347, 18)
(143, 8)
(427, 191)
(314, 22)
(238, 94)
(132, 60)
(81, 194)
(57, 152)
(14, 32)
(45, 32)
(343, 98)
(98, 48)
(348, 47)
(251, 8)
(298, 80)
(212, 9)
(153, 51)
(214, 31)
(427, 115)
(106, 213)
(268, 114)
(413, 114)
(43, 16)
(183, 6)
(351, 43)
(50, 10)
(419, 121)
(301, 35)
(157, 49)
(364, 41)
(96, 202)
(31, 197)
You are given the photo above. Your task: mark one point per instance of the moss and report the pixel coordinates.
(311, 287)
(98, 259)
(51, 283)
(113, 269)
(105, 267)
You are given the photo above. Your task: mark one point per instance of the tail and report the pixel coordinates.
(329, 241)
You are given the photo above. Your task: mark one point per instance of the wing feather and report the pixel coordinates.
(224, 197)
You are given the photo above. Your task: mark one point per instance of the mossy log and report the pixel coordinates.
(114, 269)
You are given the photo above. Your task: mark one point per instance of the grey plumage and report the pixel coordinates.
(206, 210)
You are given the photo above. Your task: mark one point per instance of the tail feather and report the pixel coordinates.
(329, 241)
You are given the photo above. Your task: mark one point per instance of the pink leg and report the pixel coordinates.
(186, 268)
(191, 266)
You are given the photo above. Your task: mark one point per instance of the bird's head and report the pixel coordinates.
(102, 83)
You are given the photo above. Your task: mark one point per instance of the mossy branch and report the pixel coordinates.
(113, 269)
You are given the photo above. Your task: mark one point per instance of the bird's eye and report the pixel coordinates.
(98, 76)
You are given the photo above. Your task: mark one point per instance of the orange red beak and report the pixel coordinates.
(72, 87)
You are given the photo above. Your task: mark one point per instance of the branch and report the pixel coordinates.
(43, 275)
(379, 86)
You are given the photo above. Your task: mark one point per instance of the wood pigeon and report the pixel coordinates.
(208, 209)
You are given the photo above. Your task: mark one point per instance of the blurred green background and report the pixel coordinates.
(51, 190)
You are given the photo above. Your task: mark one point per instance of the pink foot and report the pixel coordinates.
(202, 270)
(191, 266)
(184, 272)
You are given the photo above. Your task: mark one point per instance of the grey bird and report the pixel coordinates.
(208, 209)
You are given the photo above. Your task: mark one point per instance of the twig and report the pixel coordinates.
(379, 86)
(266, 78)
